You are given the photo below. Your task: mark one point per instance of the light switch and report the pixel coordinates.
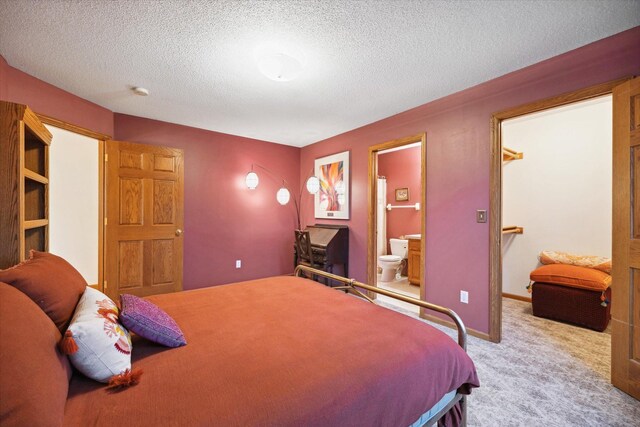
(481, 215)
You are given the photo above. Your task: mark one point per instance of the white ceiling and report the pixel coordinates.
(363, 60)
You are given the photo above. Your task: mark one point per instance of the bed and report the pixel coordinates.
(282, 351)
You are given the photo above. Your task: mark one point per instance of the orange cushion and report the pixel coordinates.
(34, 376)
(573, 276)
(51, 282)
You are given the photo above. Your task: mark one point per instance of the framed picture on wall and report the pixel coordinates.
(402, 194)
(332, 200)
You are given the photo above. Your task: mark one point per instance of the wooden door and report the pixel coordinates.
(144, 210)
(625, 305)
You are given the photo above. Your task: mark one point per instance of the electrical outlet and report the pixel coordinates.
(464, 297)
(481, 215)
(238, 263)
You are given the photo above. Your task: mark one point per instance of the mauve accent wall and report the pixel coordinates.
(223, 220)
(458, 157)
(44, 98)
(4, 79)
(402, 170)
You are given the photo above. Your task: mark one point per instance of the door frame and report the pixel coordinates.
(101, 138)
(495, 188)
(372, 262)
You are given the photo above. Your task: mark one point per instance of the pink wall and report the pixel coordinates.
(229, 223)
(402, 169)
(458, 154)
(44, 98)
(4, 78)
(224, 221)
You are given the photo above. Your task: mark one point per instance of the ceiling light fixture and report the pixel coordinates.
(279, 67)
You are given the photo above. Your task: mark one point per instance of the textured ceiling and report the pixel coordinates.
(363, 60)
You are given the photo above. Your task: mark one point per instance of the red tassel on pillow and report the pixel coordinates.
(67, 344)
(126, 379)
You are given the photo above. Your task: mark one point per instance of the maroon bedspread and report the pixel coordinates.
(281, 351)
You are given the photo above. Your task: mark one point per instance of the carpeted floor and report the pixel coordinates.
(543, 373)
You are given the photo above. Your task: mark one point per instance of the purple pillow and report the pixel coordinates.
(150, 321)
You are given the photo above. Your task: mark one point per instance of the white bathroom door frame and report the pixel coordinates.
(372, 257)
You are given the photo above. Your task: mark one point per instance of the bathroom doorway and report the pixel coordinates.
(396, 232)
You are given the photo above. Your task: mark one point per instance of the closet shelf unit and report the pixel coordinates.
(24, 183)
(508, 154)
(512, 229)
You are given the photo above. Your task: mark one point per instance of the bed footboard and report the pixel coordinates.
(353, 286)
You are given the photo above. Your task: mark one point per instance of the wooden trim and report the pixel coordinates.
(564, 99)
(450, 324)
(101, 138)
(495, 233)
(31, 120)
(495, 188)
(516, 297)
(101, 215)
(372, 263)
(28, 173)
(400, 142)
(423, 219)
(72, 128)
(21, 186)
(35, 223)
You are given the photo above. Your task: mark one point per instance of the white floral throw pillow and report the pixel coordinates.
(103, 344)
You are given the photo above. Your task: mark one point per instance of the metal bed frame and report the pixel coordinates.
(352, 285)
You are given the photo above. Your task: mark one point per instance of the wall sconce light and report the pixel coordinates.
(283, 195)
(313, 184)
(252, 180)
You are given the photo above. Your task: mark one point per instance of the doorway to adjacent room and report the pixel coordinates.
(625, 125)
(396, 232)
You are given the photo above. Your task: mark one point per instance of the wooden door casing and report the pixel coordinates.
(625, 305)
(144, 219)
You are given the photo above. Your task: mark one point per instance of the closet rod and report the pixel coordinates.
(416, 206)
(509, 154)
(512, 229)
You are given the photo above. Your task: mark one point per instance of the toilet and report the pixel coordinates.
(391, 263)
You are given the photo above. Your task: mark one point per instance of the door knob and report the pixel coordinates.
(178, 232)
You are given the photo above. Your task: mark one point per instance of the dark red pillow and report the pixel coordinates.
(34, 376)
(51, 282)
